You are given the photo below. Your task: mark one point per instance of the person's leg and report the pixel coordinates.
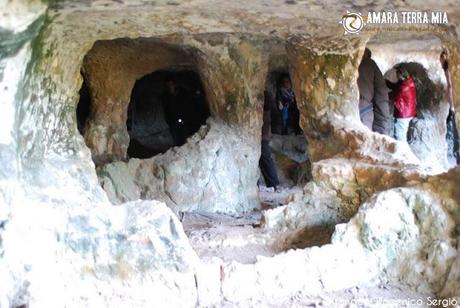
(267, 166)
(174, 134)
(366, 113)
(452, 137)
(285, 120)
(367, 119)
(178, 133)
(456, 141)
(183, 133)
(401, 128)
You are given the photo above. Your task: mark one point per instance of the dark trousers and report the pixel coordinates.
(452, 137)
(267, 165)
(179, 133)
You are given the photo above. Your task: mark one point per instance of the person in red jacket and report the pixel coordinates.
(405, 100)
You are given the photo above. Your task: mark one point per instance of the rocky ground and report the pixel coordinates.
(243, 239)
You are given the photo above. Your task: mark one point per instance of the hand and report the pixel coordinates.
(280, 106)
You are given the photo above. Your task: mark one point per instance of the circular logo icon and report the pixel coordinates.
(352, 22)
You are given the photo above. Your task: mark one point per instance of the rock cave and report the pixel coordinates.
(131, 138)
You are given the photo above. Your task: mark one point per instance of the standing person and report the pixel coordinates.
(452, 133)
(405, 101)
(285, 99)
(266, 163)
(174, 103)
(374, 107)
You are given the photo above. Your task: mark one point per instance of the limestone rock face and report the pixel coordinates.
(97, 256)
(62, 243)
(410, 233)
(290, 154)
(205, 174)
(403, 235)
(452, 285)
(338, 189)
(112, 67)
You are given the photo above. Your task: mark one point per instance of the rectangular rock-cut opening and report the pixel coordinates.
(284, 160)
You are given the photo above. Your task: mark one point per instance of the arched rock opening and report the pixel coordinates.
(111, 69)
(204, 174)
(158, 119)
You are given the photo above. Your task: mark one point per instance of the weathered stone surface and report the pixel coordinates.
(64, 244)
(400, 235)
(112, 67)
(290, 154)
(338, 189)
(206, 174)
(97, 256)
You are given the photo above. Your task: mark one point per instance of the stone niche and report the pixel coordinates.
(290, 152)
(216, 170)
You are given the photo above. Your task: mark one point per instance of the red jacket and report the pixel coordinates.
(405, 99)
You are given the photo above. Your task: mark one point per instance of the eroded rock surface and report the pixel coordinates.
(206, 174)
(62, 243)
(96, 255)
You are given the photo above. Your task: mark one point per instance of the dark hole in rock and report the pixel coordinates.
(83, 107)
(166, 107)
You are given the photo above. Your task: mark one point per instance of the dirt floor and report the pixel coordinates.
(242, 239)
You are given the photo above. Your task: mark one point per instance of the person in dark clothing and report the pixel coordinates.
(197, 112)
(294, 115)
(174, 103)
(374, 106)
(266, 163)
(452, 132)
(286, 103)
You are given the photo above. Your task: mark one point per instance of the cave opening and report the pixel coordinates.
(289, 148)
(273, 86)
(166, 107)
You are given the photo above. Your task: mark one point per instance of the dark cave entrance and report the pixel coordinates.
(289, 146)
(166, 107)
